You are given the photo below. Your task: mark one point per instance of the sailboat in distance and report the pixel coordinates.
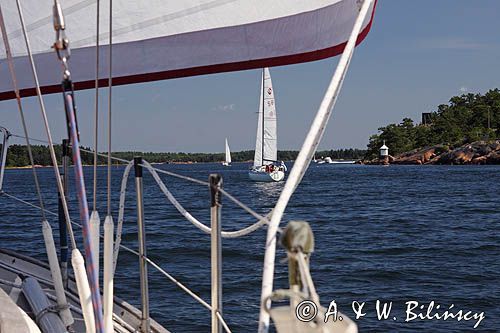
(227, 162)
(265, 167)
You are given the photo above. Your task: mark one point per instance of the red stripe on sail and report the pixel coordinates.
(203, 70)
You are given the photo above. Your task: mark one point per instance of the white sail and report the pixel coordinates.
(266, 142)
(228, 153)
(156, 39)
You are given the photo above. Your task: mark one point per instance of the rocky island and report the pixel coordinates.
(466, 130)
(479, 152)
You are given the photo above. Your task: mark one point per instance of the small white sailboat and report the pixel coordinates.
(227, 162)
(265, 167)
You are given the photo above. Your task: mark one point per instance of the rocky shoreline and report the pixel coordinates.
(476, 153)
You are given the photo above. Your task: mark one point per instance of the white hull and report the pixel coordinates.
(336, 162)
(343, 162)
(328, 160)
(262, 176)
(226, 164)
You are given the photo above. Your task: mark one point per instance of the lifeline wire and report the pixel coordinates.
(151, 262)
(262, 220)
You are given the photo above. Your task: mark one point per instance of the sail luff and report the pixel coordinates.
(263, 122)
(270, 134)
(257, 161)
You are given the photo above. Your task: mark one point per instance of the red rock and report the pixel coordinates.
(419, 156)
(493, 157)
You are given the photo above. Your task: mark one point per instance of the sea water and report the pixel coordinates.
(386, 238)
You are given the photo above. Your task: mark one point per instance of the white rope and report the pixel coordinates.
(223, 322)
(226, 234)
(306, 153)
(121, 211)
(262, 220)
(306, 276)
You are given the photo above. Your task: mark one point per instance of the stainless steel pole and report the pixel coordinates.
(63, 232)
(215, 182)
(142, 246)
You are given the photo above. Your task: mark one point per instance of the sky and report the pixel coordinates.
(417, 55)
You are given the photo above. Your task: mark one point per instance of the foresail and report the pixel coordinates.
(228, 153)
(270, 121)
(257, 160)
(156, 39)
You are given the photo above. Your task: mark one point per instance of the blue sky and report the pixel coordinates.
(417, 55)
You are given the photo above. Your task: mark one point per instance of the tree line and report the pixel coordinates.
(17, 156)
(465, 119)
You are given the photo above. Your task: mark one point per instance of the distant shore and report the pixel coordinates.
(37, 166)
(17, 156)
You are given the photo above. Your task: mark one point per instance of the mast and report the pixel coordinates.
(262, 92)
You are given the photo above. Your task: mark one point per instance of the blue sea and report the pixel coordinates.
(395, 234)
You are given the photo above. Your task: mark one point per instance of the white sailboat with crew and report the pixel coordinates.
(265, 167)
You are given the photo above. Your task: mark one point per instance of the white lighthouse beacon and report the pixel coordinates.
(384, 153)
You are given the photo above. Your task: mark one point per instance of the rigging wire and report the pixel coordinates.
(10, 62)
(46, 124)
(91, 279)
(262, 220)
(110, 87)
(96, 112)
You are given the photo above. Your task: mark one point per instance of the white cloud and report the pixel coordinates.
(225, 108)
(464, 89)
